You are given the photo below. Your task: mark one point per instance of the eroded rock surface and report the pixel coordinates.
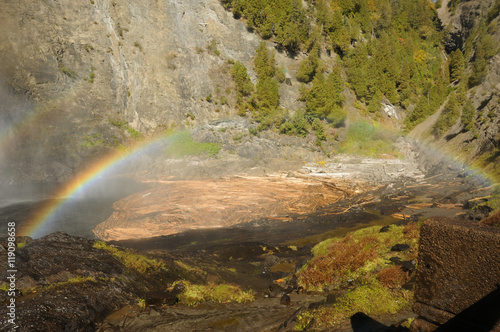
(458, 277)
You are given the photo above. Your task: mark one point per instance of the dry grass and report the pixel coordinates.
(343, 256)
(492, 220)
(393, 277)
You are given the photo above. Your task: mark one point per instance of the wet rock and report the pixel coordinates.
(68, 285)
(385, 229)
(396, 260)
(400, 247)
(285, 299)
(275, 291)
(408, 266)
(315, 305)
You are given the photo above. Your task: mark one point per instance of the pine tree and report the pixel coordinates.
(308, 67)
(468, 114)
(456, 65)
(264, 62)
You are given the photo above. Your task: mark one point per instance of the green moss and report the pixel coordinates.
(223, 293)
(372, 299)
(21, 244)
(131, 260)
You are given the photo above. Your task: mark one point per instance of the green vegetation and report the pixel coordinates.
(324, 99)
(136, 44)
(373, 299)
(124, 125)
(131, 260)
(389, 50)
(68, 72)
(468, 114)
(244, 87)
(448, 117)
(222, 293)
(212, 47)
(297, 126)
(308, 67)
(364, 138)
(182, 144)
(360, 258)
(457, 65)
(94, 140)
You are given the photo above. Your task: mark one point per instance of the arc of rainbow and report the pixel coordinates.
(47, 211)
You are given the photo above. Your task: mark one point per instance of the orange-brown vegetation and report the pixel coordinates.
(493, 220)
(343, 256)
(393, 277)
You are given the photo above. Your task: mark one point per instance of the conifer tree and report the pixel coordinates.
(456, 65)
(308, 67)
(468, 113)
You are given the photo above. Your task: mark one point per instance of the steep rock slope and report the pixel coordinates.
(482, 143)
(76, 72)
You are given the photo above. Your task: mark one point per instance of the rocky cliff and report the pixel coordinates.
(75, 74)
(481, 144)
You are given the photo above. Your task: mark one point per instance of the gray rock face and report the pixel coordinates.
(149, 63)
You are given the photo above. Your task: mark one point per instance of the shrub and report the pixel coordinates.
(136, 44)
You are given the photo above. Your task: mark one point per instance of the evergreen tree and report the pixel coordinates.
(308, 67)
(468, 114)
(456, 65)
(267, 94)
(447, 118)
(244, 85)
(264, 62)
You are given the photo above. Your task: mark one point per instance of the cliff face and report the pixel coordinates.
(70, 67)
(483, 142)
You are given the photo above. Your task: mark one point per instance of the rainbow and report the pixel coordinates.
(84, 180)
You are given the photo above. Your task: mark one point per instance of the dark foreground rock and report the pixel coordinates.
(63, 283)
(458, 278)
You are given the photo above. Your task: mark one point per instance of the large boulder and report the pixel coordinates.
(458, 277)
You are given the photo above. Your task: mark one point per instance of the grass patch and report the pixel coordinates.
(365, 139)
(131, 260)
(182, 144)
(223, 293)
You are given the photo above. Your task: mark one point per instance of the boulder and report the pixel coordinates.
(458, 277)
